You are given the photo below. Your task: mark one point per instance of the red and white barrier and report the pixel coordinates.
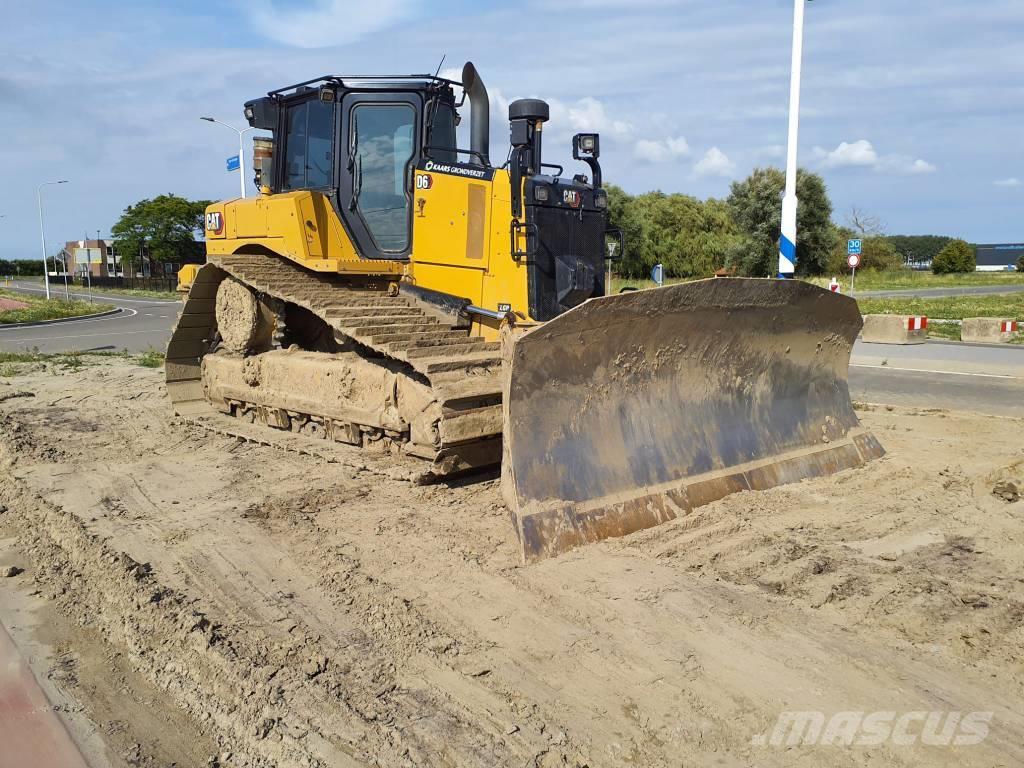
(987, 330)
(895, 329)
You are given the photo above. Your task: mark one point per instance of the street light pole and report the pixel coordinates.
(787, 243)
(241, 150)
(42, 231)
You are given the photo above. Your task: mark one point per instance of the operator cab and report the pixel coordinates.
(360, 140)
(357, 140)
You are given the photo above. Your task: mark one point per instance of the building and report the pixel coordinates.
(94, 256)
(998, 257)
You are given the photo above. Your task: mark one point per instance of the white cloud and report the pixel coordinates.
(862, 154)
(325, 23)
(588, 115)
(858, 154)
(904, 164)
(714, 163)
(663, 150)
(921, 166)
(1013, 181)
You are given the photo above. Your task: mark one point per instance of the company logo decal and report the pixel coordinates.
(214, 222)
(571, 198)
(460, 169)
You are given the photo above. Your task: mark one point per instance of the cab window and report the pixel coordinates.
(309, 146)
(382, 135)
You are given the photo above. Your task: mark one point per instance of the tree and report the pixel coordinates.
(876, 253)
(689, 237)
(623, 215)
(165, 226)
(957, 257)
(756, 207)
(1020, 264)
(918, 249)
(864, 223)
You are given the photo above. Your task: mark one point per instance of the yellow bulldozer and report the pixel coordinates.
(390, 290)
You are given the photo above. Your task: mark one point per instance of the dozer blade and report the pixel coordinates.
(631, 410)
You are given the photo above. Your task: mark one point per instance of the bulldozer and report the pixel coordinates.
(390, 290)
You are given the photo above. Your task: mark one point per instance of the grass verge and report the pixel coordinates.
(41, 309)
(909, 279)
(1009, 307)
(12, 363)
(138, 293)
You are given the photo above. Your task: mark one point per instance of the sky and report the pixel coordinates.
(912, 110)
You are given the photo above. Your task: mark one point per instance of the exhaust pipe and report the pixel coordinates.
(480, 113)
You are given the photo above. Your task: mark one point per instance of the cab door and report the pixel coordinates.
(380, 139)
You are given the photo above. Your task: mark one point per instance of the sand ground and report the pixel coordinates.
(197, 600)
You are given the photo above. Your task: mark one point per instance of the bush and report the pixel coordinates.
(1020, 264)
(958, 257)
(877, 253)
(20, 268)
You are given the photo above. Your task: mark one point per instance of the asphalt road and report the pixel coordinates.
(938, 293)
(983, 378)
(981, 393)
(986, 378)
(142, 324)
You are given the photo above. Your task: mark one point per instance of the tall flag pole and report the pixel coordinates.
(787, 243)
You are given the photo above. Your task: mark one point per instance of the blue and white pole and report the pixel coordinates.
(787, 243)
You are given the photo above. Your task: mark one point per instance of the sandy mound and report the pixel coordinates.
(298, 612)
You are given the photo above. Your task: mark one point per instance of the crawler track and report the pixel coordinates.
(462, 370)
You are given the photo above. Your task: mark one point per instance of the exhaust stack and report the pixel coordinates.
(480, 113)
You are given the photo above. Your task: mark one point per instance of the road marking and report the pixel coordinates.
(85, 335)
(928, 370)
(125, 312)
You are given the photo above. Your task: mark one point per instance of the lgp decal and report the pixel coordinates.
(214, 222)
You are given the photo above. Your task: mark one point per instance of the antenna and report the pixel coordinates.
(441, 64)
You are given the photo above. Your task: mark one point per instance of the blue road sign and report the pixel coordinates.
(853, 247)
(234, 163)
(658, 274)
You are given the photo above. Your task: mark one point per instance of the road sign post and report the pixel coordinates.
(658, 274)
(853, 249)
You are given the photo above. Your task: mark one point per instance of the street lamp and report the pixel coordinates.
(42, 232)
(241, 149)
(787, 243)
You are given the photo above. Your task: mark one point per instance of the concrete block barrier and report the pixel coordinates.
(895, 329)
(992, 330)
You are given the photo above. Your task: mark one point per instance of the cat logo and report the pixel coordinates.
(571, 198)
(214, 222)
(424, 181)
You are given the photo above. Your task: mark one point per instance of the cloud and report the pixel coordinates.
(715, 163)
(590, 115)
(862, 154)
(663, 150)
(903, 164)
(325, 23)
(858, 154)
(1013, 181)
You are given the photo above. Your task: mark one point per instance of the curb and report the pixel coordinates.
(62, 319)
